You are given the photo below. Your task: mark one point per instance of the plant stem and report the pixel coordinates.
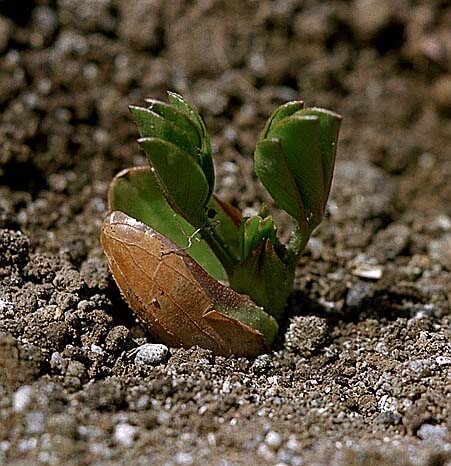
(219, 247)
(298, 241)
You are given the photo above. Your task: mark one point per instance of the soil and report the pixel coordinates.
(361, 372)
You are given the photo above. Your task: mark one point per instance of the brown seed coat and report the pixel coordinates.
(171, 294)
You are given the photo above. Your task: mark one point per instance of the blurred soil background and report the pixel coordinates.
(361, 373)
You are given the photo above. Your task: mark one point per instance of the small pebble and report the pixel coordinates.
(21, 398)
(97, 350)
(443, 360)
(442, 222)
(273, 439)
(431, 432)
(372, 272)
(151, 354)
(124, 434)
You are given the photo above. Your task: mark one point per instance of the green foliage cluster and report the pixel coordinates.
(294, 159)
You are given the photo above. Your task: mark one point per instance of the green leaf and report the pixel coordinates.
(264, 278)
(182, 180)
(254, 231)
(153, 125)
(329, 126)
(178, 118)
(300, 138)
(272, 169)
(190, 111)
(135, 191)
(280, 113)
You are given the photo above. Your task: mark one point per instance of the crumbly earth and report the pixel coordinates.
(361, 373)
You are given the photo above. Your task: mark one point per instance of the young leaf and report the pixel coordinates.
(299, 137)
(135, 191)
(254, 231)
(329, 125)
(280, 113)
(153, 125)
(265, 278)
(180, 103)
(206, 161)
(184, 184)
(179, 118)
(272, 169)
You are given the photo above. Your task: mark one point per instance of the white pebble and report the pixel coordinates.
(431, 432)
(21, 398)
(124, 434)
(443, 360)
(273, 439)
(151, 354)
(368, 271)
(97, 350)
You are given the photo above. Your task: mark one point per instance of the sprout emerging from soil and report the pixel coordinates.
(171, 243)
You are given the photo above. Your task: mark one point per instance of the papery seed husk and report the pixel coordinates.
(171, 294)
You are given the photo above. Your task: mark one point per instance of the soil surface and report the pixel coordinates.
(361, 372)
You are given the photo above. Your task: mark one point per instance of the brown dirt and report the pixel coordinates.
(361, 372)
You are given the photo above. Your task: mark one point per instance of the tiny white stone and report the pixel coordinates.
(4, 445)
(124, 434)
(443, 360)
(273, 439)
(372, 272)
(97, 349)
(151, 354)
(226, 387)
(443, 222)
(431, 432)
(21, 398)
